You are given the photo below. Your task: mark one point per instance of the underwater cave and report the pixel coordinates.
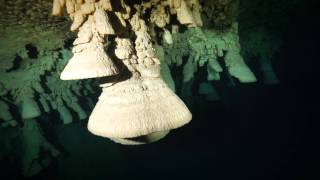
(159, 89)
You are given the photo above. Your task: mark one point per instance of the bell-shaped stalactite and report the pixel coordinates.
(136, 107)
(89, 59)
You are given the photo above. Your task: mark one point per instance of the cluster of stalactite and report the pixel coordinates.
(134, 97)
(129, 47)
(30, 94)
(32, 50)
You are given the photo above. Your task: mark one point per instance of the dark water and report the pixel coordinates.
(256, 132)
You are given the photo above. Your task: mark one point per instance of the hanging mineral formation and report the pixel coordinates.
(135, 106)
(115, 43)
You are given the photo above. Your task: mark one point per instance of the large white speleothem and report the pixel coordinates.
(136, 107)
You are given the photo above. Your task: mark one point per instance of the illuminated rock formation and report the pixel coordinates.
(134, 50)
(136, 106)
